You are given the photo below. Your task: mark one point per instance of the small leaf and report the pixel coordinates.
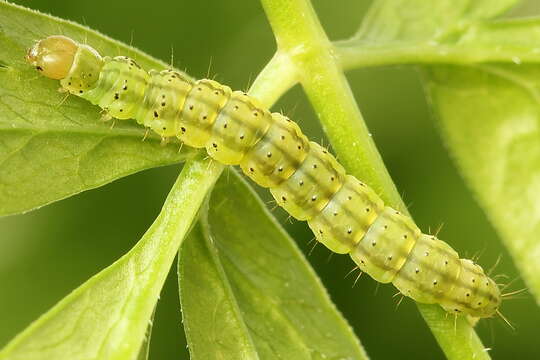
(417, 20)
(248, 293)
(50, 148)
(107, 317)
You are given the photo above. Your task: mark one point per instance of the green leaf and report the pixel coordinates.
(490, 121)
(144, 351)
(248, 293)
(51, 148)
(108, 316)
(415, 20)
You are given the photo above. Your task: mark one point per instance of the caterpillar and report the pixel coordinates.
(345, 214)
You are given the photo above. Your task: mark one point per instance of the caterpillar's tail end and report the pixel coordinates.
(53, 56)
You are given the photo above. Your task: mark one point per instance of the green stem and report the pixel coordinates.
(353, 54)
(511, 41)
(278, 76)
(300, 36)
(303, 40)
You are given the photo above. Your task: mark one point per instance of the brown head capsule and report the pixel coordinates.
(53, 56)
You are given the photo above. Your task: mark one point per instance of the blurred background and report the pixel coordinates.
(47, 253)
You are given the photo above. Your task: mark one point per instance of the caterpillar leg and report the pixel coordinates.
(146, 134)
(105, 116)
(63, 99)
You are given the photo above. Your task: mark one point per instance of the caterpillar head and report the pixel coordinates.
(489, 302)
(53, 56)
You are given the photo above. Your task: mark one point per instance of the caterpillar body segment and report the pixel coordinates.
(345, 214)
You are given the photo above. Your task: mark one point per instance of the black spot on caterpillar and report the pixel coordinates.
(345, 214)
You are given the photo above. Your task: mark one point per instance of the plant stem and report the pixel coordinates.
(303, 40)
(300, 36)
(278, 76)
(354, 54)
(511, 41)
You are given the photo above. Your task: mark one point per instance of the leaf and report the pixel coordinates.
(107, 317)
(50, 149)
(416, 20)
(144, 351)
(491, 123)
(248, 293)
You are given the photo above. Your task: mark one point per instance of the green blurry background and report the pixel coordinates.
(48, 252)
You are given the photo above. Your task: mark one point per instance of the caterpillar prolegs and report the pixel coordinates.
(345, 214)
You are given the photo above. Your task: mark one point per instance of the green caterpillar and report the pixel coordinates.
(345, 214)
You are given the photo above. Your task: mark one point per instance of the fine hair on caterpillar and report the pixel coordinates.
(345, 214)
